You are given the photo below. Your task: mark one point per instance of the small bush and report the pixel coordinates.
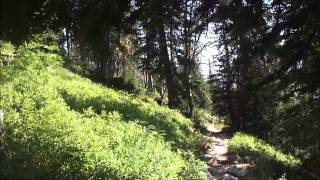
(120, 83)
(202, 118)
(194, 168)
(269, 162)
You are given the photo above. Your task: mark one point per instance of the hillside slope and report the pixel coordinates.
(58, 125)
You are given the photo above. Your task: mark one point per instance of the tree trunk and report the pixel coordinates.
(149, 82)
(106, 68)
(68, 42)
(167, 69)
(190, 103)
(148, 67)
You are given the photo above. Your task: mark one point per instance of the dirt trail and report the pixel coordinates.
(221, 164)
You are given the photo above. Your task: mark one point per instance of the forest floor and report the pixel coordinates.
(221, 164)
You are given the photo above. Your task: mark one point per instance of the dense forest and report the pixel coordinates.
(114, 89)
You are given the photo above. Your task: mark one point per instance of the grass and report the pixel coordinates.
(269, 161)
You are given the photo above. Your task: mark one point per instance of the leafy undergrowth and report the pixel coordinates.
(269, 162)
(81, 94)
(61, 126)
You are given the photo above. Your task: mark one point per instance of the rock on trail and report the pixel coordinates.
(221, 164)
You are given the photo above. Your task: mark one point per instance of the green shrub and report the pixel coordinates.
(127, 81)
(174, 127)
(121, 83)
(53, 141)
(31, 60)
(6, 48)
(194, 168)
(61, 126)
(269, 162)
(202, 118)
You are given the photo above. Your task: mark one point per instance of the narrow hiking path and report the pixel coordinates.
(223, 165)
